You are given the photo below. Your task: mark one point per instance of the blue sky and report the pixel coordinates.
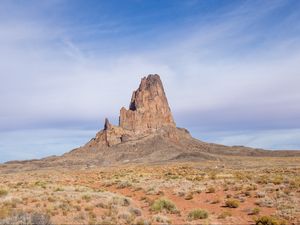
(230, 69)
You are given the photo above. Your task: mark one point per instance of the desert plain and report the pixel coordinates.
(234, 190)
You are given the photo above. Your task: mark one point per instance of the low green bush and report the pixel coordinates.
(224, 215)
(3, 192)
(255, 211)
(269, 220)
(197, 214)
(211, 190)
(87, 198)
(232, 203)
(163, 204)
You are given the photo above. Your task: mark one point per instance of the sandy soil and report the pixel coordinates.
(126, 195)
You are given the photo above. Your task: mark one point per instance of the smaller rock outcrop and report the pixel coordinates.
(107, 125)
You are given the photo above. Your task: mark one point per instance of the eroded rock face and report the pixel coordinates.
(110, 136)
(148, 109)
(148, 112)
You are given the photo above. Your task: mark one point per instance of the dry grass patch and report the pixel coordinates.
(224, 215)
(3, 192)
(232, 203)
(269, 220)
(197, 214)
(163, 204)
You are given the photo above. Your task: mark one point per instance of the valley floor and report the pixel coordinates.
(238, 190)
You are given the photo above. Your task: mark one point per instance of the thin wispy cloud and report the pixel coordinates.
(230, 67)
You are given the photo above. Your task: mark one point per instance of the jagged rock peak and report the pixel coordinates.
(148, 112)
(107, 124)
(149, 84)
(149, 108)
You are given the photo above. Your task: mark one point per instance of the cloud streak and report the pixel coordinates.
(230, 68)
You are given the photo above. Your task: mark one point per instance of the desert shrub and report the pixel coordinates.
(135, 211)
(251, 187)
(237, 187)
(229, 195)
(260, 194)
(224, 214)
(59, 189)
(77, 207)
(232, 203)
(126, 217)
(246, 193)
(51, 199)
(189, 196)
(92, 215)
(269, 220)
(197, 214)
(137, 189)
(101, 205)
(287, 191)
(5, 212)
(147, 200)
(293, 184)
(3, 192)
(226, 188)
(262, 179)
(10, 204)
(64, 206)
(141, 221)
(255, 211)
(28, 219)
(107, 221)
(124, 184)
(152, 191)
(277, 180)
(120, 201)
(87, 198)
(211, 190)
(89, 208)
(40, 219)
(163, 204)
(213, 175)
(92, 221)
(161, 219)
(215, 201)
(41, 184)
(265, 202)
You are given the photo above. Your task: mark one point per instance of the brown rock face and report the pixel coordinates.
(148, 109)
(148, 112)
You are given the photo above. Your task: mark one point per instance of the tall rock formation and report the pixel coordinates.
(148, 113)
(147, 134)
(148, 109)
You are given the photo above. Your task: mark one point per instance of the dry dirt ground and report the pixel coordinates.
(238, 191)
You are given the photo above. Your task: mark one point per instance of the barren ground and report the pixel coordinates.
(131, 194)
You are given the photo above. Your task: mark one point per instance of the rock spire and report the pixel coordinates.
(148, 112)
(148, 109)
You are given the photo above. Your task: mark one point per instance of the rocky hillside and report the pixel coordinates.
(147, 133)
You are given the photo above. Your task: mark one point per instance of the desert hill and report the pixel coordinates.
(147, 133)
